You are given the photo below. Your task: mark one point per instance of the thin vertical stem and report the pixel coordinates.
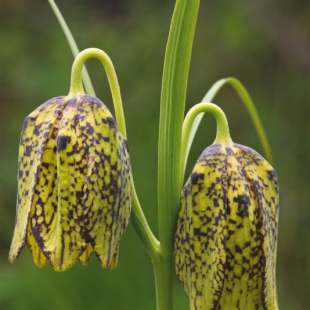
(151, 244)
(163, 282)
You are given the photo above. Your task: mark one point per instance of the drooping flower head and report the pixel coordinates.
(74, 184)
(226, 238)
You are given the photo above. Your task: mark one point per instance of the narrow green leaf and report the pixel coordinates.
(174, 85)
(74, 48)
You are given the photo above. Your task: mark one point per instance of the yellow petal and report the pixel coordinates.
(85, 257)
(67, 241)
(243, 273)
(36, 127)
(265, 185)
(107, 191)
(38, 257)
(56, 217)
(201, 231)
(114, 260)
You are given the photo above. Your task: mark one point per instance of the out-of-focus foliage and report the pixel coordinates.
(264, 43)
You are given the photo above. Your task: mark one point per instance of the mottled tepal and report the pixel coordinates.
(226, 238)
(74, 184)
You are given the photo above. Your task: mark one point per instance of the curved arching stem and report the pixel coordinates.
(77, 85)
(222, 133)
(249, 105)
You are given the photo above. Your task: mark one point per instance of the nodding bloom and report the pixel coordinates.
(74, 184)
(226, 237)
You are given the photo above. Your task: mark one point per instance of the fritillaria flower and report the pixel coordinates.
(226, 238)
(74, 184)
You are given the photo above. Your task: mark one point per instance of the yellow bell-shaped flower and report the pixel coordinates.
(226, 238)
(74, 184)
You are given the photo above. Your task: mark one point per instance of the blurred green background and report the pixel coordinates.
(266, 44)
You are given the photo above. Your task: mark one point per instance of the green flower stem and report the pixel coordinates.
(222, 134)
(174, 85)
(163, 282)
(74, 48)
(151, 244)
(77, 86)
(248, 103)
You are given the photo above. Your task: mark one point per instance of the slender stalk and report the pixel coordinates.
(77, 86)
(249, 105)
(149, 241)
(174, 85)
(163, 283)
(222, 134)
(74, 48)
